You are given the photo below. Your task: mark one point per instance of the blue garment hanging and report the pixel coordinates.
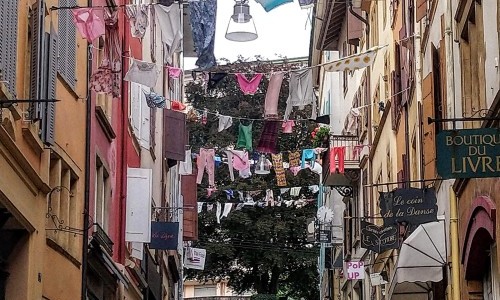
(310, 155)
(269, 5)
(202, 18)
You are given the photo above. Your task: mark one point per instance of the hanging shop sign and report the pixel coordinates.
(378, 238)
(355, 270)
(164, 235)
(412, 205)
(195, 258)
(324, 236)
(468, 153)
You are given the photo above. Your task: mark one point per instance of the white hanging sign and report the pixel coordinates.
(195, 258)
(355, 270)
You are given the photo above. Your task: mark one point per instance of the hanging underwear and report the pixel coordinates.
(138, 19)
(249, 87)
(153, 100)
(89, 24)
(174, 72)
(142, 72)
(214, 79)
(224, 122)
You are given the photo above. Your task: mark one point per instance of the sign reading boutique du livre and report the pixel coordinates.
(468, 153)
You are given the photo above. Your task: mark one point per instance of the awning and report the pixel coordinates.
(100, 255)
(421, 261)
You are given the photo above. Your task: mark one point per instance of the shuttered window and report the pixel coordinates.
(140, 114)
(189, 194)
(138, 215)
(429, 143)
(354, 27)
(421, 9)
(67, 43)
(37, 62)
(8, 43)
(174, 139)
(49, 115)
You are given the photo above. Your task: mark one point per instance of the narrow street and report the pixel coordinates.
(249, 149)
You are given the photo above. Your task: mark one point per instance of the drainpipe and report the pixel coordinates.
(450, 94)
(86, 205)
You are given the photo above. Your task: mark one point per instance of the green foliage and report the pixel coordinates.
(258, 249)
(263, 297)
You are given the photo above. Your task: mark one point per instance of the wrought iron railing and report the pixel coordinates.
(351, 154)
(220, 298)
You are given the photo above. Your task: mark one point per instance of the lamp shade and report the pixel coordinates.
(263, 166)
(241, 27)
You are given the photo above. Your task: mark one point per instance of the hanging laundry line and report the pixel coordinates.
(382, 100)
(249, 119)
(112, 6)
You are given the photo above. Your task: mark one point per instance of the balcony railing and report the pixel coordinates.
(351, 159)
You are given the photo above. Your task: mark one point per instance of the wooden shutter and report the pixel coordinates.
(354, 27)
(145, 111)
(67, 43)
(138, 210)
(36, 61)
(49, 118)
(189, 193)
(174, 134)
(8, 43)
(429, 142)
(152, 128)
(421, 9)
(135, 108)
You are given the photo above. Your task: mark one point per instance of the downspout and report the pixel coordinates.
(450, 94)
(124, 104)
(86, 205)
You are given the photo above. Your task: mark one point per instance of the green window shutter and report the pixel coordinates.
(48, 123)
(8, 43)
(67, 43)
(36, 62)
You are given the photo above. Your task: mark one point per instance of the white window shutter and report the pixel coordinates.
(135, 108)
(137, 250)
(145, 122)
(139, 193)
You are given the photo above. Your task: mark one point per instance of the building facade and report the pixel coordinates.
(435, 74)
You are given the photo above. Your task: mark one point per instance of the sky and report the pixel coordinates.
(284, 30)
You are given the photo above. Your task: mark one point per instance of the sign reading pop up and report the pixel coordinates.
(468, 153)
(355, 270)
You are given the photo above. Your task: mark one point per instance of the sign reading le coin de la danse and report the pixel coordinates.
(468, 153)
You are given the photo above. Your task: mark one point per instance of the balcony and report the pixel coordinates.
(220, 298)
(343, 182)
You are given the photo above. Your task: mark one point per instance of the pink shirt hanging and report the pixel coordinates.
(249, 87)
(288, 126)
(174, 72)
(89, 24)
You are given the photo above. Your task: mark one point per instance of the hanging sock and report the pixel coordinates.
(337, 155)
(203, 19)
(224, 122)
(272, 95)
(169, 21)
(269, 197)
(218, 212)
(295, 191)
(249, 87)
(287, 126)
(200, 206)
(214, 79)
(137, 15)
(245, 137)
(269, 5)
(88, 23)
(154, 100)
(174, 72)
(227, 209)
(301, 93)
(268, 142)
(143, 73)
(278, 169)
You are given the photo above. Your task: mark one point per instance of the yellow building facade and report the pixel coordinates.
(42, 161)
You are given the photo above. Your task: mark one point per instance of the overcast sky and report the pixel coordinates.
(284, 30)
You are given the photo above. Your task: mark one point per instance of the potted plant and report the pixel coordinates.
(320, 136)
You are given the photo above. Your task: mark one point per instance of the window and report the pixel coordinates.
(103, 101)
(374, 26)
(67, 45)
(205, 291)
(327, 103)
(140, 115)
(102, 195)
(8, 44)
(63, 204)
(389, 164)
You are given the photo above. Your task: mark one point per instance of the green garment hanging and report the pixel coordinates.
(245, 137)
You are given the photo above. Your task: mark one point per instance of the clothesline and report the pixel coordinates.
(109, 6)
(263, 190)
(382, 100)
(249, 119)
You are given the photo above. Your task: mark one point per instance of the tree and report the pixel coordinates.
(261, 249)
